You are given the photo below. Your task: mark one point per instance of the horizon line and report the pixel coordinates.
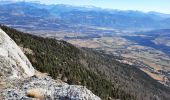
(85, 6)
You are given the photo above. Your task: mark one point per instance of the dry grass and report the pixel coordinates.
(27, 50)
(36, 93)
(153, 65)
(84, 43)
(39, 74)
(154, 76)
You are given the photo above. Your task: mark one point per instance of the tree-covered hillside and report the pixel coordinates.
(99, 72)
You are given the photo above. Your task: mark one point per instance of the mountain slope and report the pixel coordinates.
(19, 80)
(101, 73)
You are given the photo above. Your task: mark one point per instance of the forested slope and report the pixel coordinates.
(99, 72)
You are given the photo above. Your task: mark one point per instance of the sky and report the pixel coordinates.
(162, 6)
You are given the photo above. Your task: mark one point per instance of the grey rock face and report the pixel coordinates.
(49, 89)
(13, 62)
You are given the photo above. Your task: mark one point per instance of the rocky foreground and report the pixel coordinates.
(45, 88)
(20, 81)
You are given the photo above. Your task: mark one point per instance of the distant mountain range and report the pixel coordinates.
(36, 15)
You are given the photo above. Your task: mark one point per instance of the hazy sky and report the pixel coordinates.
(142, 5)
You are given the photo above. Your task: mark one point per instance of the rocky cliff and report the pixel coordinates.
(13, 62)
(20, 81)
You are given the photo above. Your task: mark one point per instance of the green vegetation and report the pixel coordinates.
(99, 72)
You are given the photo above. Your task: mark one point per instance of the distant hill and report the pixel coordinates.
(99, 72)
(29, 15)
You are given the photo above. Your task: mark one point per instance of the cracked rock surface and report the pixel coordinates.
(49, 89)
